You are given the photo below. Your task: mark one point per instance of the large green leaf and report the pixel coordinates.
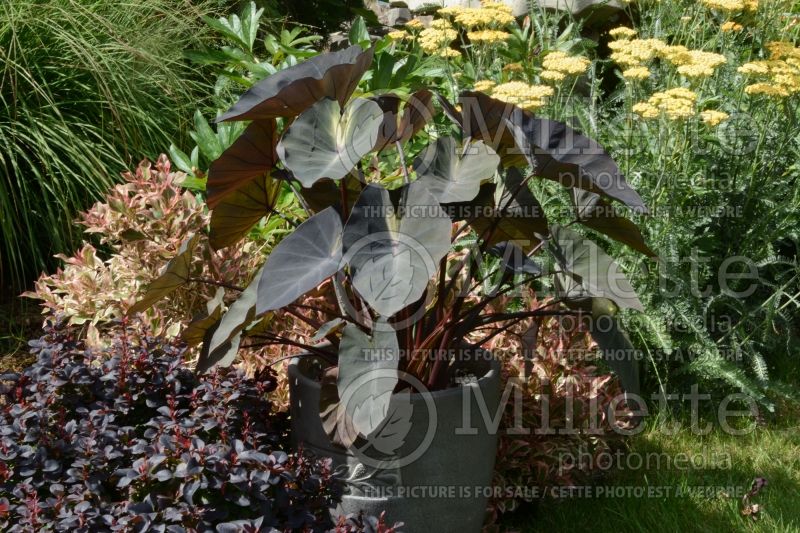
(221, 342)
(553, 150)
(393, 251)
(595, 213)
(175, 274)
(588, 272)
(367, 375)
(291, 91)
(238, 212)
(301, 261)
(452, 173)
(252, 155)
(327, 142)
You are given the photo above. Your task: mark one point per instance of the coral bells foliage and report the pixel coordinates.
(128, 439)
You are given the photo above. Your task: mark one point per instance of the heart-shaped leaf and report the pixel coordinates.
(589, 271)
(291, 91)
(301, 261)
(595, 213)
(553, 150)
(241, 210)
(251, 156)
(175, 274)
(393, 251)
(326, 142)
(367, 375)
(454, 174)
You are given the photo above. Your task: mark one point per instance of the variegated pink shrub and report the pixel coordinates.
(137, 228)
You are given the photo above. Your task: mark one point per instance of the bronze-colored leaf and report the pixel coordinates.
(291, 91)
(241, 210)
(250, 156)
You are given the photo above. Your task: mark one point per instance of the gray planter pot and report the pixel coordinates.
(439, 476)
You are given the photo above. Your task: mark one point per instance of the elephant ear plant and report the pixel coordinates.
(406, 243)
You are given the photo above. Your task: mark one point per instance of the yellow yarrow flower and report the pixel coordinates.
(675, 104)
(731, 26)
(398, 35)
(552, 75)
(520, 93)
(561, 62)
(414, 24)
(634, 52)
(731, 6)
(484, 86)
(780, 75)
(782, 50)
(437, 37)
(488, 36)
(491, 13)
(713, 118)
(646, 110)
(636, 73)
(513, 67)
(693, 63)
(622, 33)
(767, 90)
(450, 53)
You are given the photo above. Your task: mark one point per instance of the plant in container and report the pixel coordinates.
(395, 386)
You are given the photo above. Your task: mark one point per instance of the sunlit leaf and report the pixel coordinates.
(453, 173)
(236, 214)
(289, 92)
(327, 142)
(252, 155)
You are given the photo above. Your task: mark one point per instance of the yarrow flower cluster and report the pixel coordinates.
(696, 63)
(622, 32)
(676, 104)
(636, 73)
(731, 6)
(731, 26)
(438, 37)
(399, 35)
(561, 62)
(519, 93)
(489, 14)
(488, 36)
(634, 52)
(713, 118)
(779, 76)
(690, 63)
(484, 86)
